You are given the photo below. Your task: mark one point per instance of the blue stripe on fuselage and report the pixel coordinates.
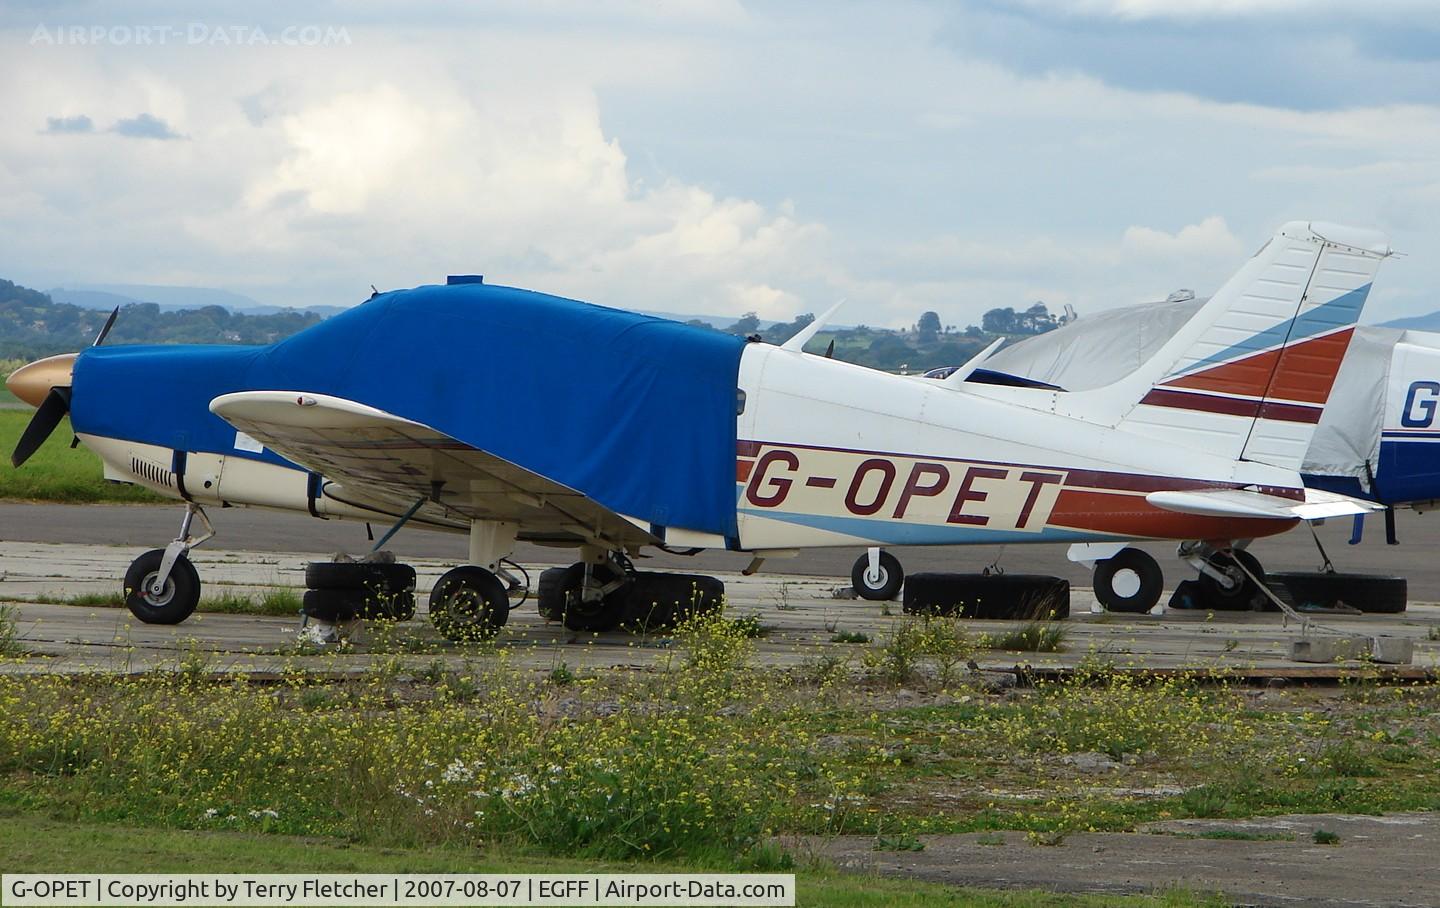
(893, 532)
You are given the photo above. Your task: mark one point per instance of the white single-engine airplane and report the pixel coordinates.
(438, 405)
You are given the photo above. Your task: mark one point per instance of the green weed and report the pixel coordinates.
(1038, 636)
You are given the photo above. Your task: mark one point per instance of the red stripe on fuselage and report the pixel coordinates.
(742, 470)
(1132, 516)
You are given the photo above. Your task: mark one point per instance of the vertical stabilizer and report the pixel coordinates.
(1248, 377)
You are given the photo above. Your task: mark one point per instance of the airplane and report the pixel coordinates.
(1375, 440)
(441, 406)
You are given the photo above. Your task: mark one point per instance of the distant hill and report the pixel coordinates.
(1430, 322)
(34, 325)
(172, 299)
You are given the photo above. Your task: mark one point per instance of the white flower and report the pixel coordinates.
(211, 814)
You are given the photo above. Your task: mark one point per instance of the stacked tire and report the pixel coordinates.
(1003, 596)
(343, 590)
(649, 601)
(1370, 593)
(661, 601)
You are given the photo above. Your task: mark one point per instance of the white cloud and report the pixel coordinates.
(1215, 9)
(721, 161)
(1209, 239)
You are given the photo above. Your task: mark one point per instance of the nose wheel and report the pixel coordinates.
(176, 596)
(162, 586)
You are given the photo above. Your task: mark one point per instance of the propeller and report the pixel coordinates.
(47, 416)
(45, 385)
(105, 331)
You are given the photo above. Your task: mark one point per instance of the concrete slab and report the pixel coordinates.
(800, 613)
(1379, 862)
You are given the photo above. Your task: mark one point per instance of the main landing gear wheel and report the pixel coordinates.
(1372, 593)
(175, 602)
(882, 583)
(469, 604)
(1130, 581)
(1240, 589)
(592, 612)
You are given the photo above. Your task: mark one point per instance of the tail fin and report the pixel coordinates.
(1248, 377)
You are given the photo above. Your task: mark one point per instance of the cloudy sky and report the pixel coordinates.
(714, 155)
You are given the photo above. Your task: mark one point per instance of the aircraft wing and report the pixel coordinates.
(1317, 504)
(374, 456)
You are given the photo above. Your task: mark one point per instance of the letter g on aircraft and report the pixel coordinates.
(1420, 400)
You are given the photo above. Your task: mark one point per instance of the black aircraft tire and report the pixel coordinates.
(604, 615)
(1145, 568)
(658, 601)
(469, 604)
(1002, 596)
(886, 586)
(179, 598)
(550, 593)
(1371, 593)
(342, 605)
(333, 605)
(1238, 598)
(358, 575)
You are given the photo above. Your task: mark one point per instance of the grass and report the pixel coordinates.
(1235, 835)
(751, 627)
(6, 367)
(58, 472)
(850, 637)
(9, 634)
(275, 602)
(1038, 636)
(905, 841)
(38, 843)
(706, 761)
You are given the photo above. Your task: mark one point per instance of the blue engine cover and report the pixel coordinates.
(634, 411)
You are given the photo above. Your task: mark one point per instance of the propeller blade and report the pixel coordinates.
(105, 331)
(52, 409)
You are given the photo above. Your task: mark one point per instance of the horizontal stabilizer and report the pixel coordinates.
(1246, 503)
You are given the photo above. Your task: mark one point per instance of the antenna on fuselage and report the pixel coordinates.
(803, 336)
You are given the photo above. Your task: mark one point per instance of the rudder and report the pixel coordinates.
(1248, 377)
